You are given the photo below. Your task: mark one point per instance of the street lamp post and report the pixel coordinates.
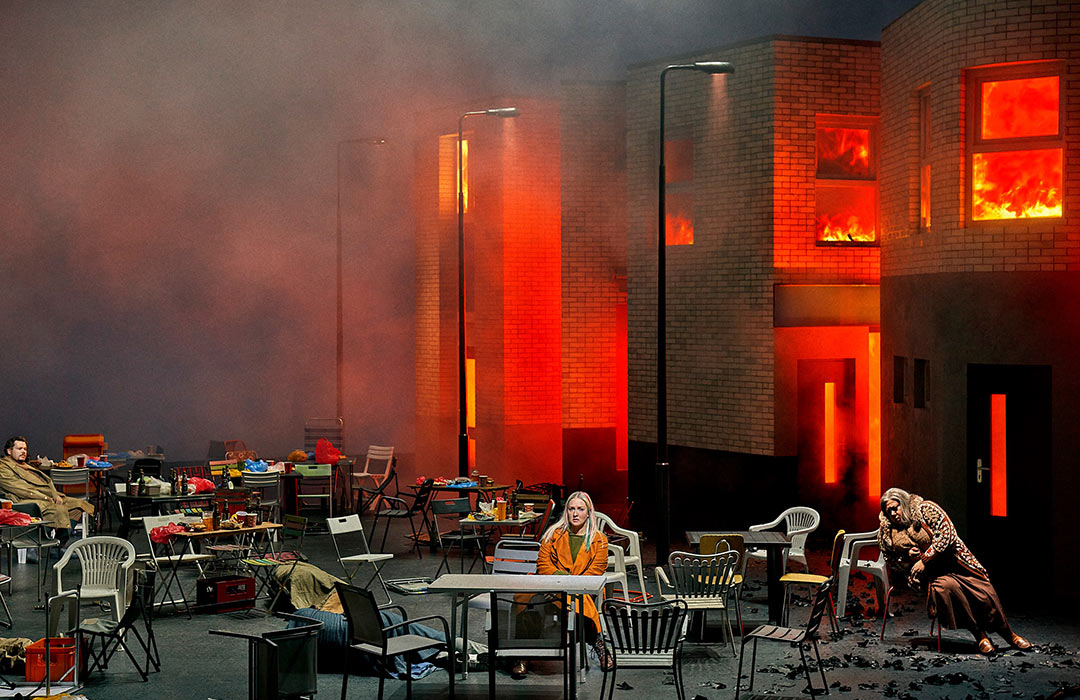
(663, 468)
(463, 408)
(340, 291)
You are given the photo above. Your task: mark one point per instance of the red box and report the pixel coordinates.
(61, 659)
(225, 593)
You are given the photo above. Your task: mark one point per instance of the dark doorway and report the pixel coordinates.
(1008, 418)
(827, 474)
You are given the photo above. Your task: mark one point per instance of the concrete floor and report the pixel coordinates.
(198, 666)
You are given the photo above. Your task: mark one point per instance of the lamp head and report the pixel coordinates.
(713, 67)
(504, 112)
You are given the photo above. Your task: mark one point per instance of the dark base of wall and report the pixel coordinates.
(709, 489)
(589, 459)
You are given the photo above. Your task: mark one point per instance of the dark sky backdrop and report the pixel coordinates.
(167, 202)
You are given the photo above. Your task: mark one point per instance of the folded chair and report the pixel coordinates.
(454, 509)
(794, 636)
(397, 508)
(367, 635)
(342, 527)
(645, 635)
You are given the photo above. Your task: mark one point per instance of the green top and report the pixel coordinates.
(575, 545)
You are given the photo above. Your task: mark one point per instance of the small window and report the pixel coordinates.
(898, 366)
(924, 159)
(920, 379)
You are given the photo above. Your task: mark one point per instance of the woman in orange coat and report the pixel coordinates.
(575, 546)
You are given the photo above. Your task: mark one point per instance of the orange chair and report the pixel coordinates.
(91, 445)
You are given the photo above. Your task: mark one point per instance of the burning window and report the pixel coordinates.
(845, 210)
(924, 159)
(1016, 143)
(678, 192)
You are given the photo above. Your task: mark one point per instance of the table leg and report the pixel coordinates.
(774, 566)
(578, 619)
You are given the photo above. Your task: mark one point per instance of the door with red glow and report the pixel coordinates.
(1008, 469)
(827, 474)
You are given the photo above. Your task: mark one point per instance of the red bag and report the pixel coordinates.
(14, 517)
(163, 534)
(201, 485)
(326, 453)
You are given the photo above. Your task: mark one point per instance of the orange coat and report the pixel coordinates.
(554, 556)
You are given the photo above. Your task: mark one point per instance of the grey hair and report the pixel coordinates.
(903, 498)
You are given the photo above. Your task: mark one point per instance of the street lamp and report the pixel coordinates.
(463, 435)
(340, 294)
(663, 468)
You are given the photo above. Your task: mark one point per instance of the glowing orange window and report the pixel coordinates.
(1016, 147)
(845, 208)
(678, 193)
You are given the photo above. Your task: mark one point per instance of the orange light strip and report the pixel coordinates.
(470, 392)
(924, 197)
(463, 175)
(999, 505)
(873, 465)
(830, 433)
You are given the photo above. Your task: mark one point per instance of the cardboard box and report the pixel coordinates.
(225, 594)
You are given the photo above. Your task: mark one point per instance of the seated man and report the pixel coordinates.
(23, 483)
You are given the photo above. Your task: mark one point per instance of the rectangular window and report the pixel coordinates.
(846, 192)
(924, 159)
(1016, 144)
(919, 383)
(679, 192)
(898, 366)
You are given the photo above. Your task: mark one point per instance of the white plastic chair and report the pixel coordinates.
(632, 556)
(75, 477)
(798, 522)
(105, 562)
(850, 562)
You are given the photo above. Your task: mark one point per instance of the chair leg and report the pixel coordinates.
(806, 670)
(821, 670)
(345, 676)
(885, 612)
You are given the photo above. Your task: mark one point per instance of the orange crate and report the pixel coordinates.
(61, 659)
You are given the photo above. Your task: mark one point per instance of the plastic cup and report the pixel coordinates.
(500, 510)
(81, 459)
(251, 519)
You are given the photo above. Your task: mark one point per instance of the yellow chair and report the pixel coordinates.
(817, 580)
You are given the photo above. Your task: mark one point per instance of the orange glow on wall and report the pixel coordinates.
(1017, 108)
(1016, 184)
(679, 219)
(845, 213)
(874, 400)
(998, 462)
(472, 453)
(830, 433)
(924, 196)
(470, 392)
(843, 152)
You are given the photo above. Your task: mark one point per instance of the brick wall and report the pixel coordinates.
(754, 166)
(931, 46)
(593, 255)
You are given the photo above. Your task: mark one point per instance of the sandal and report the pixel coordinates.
(986, 646)
(1019, 642)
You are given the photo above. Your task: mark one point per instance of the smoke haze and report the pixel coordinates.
(168, 204)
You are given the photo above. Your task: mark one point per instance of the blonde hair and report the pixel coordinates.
(562, 525)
